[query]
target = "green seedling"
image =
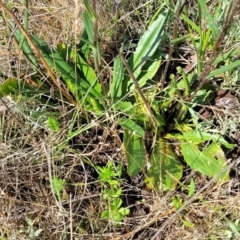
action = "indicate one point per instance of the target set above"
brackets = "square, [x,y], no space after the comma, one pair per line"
[32,233]
[58,185]
[109,176]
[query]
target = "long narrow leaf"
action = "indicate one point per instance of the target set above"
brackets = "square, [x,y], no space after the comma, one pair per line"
[86,71]
[117,80]
[210,20]
[25,47]
[224,69]
[68,73]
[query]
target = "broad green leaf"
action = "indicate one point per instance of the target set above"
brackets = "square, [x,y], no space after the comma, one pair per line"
[196,137]
[210,162]
[141,111]
[57,63]
[148,43]
[117,79]
[125,107]
[86,71]
[165,168]
[14,87]
[79,87]
[134,151]
[171,90]
[205,95]
[150,68]
[128,124]
[83,48]
[147,46]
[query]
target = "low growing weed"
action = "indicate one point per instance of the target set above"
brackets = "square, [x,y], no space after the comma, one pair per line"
[110,178]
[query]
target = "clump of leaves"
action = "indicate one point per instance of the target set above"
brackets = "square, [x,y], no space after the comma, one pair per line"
[166,110]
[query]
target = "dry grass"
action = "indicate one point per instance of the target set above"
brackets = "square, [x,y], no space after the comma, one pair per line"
[31,153]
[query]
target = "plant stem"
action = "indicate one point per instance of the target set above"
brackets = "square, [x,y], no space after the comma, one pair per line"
[139,91]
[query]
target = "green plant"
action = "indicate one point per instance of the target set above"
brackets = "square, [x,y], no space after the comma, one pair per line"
[235,229]
[32,233]
[163,109]
[109,177]
[58,185]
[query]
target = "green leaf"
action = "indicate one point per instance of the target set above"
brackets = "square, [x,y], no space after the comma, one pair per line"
[26,20]
[83,48]
[191,23]
[117,80]
[150,68]
[210,162]
[64,51]
[89,9]
[134,151]
[165,168]
[191,188]
[197,137]
[177,201]
[205,95]
[25,47]
[147,46]
[227,55]
[128,124]
[209,19]
[79,87]
[187,223]
[58,184]
[14,87]
[53,123]
[88,24]
[224,69]
[171,90]
[125,107]
[86,71]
